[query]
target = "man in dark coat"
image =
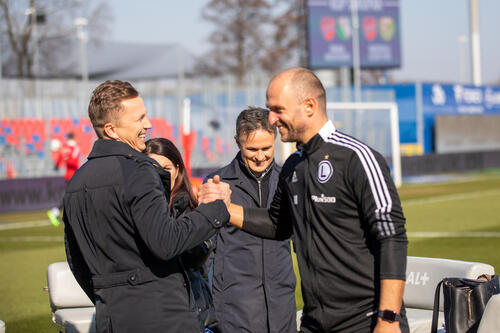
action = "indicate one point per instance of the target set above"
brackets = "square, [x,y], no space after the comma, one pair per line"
[253,278]
[122,243]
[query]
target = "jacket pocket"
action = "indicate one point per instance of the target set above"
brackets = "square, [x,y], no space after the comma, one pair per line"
[133,277]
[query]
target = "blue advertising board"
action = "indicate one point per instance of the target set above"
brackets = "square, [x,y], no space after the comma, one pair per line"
[455,99]
[330,33]
[459,99]
[422,102]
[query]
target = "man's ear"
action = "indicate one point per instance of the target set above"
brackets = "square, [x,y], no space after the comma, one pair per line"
[110,131]
[310,106]
[237,142]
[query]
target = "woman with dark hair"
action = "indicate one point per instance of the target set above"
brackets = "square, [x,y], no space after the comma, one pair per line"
[183,200]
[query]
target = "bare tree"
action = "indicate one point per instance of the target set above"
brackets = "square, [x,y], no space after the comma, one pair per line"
[283,44]
[252,35]
[43,28]
[238,40]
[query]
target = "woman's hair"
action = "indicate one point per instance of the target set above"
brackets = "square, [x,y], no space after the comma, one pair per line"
[165,147]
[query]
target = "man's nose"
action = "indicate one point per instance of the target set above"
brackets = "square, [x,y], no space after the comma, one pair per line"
[260,156]
[147,123]
[273,117]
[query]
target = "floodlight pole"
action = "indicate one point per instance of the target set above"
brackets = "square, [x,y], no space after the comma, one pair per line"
[31,13]
[355,51]
[462,48]
[80,23]
[1,40]
[475,44]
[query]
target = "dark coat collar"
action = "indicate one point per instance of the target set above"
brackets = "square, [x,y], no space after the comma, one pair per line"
[233,174]
[105,147]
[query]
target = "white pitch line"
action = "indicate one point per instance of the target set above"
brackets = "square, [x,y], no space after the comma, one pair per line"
[465,234]
[450,197]
[31,239]
[22,225]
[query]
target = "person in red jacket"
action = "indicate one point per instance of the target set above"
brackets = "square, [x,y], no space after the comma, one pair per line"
[69,157]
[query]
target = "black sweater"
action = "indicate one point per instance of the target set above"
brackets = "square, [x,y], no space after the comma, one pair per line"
[337,197]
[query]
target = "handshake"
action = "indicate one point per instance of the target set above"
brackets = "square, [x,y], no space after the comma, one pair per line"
[213,190]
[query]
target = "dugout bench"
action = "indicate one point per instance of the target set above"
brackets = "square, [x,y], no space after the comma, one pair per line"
[73,312]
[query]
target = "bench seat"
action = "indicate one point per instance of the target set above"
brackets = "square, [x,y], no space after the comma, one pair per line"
[76,320]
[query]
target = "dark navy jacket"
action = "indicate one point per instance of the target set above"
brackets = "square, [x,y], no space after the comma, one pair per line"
[253,278]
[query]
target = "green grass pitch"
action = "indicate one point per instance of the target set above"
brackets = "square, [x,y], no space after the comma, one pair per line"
[467,206]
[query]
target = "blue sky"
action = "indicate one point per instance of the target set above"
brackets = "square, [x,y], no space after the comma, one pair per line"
[429,33]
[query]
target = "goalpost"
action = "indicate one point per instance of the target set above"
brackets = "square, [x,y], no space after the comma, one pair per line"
[372,128]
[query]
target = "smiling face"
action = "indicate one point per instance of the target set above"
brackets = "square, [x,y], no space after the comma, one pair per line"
[131,124]
[167,165]
[257,149]
[285,111]
[296,100]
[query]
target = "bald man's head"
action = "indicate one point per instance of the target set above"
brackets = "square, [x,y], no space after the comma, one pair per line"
[297,104]
[303,84]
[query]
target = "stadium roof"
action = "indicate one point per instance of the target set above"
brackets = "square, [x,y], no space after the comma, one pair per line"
[121,60]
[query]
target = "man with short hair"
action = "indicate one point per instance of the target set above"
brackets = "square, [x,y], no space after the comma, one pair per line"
[337,197]
[122,243]
[253,278]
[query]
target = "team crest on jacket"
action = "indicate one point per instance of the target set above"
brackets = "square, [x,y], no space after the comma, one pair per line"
[325,171]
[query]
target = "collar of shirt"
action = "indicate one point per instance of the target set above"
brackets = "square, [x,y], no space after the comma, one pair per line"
[316,141]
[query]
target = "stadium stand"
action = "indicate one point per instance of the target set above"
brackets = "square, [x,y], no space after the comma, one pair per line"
[25,142]
[36,111]
[74,312]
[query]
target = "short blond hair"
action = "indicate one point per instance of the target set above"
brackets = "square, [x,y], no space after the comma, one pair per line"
[105,103]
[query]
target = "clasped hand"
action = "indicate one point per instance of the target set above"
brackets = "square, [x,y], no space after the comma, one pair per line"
[213,190]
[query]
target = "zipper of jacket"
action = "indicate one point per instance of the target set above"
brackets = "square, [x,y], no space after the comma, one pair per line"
[259,179]
[259,183]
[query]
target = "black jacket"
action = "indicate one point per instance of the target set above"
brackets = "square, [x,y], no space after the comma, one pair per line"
[123,245]
[337,196]
[253,278]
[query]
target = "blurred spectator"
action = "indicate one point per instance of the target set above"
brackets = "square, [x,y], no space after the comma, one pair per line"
[69,157]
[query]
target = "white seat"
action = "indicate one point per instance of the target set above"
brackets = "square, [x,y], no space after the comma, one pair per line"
[418,320]
[72,310]
[76,320]
[422,278]
[490,322]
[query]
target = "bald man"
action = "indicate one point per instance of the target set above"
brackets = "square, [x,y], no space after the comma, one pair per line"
[336,198]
